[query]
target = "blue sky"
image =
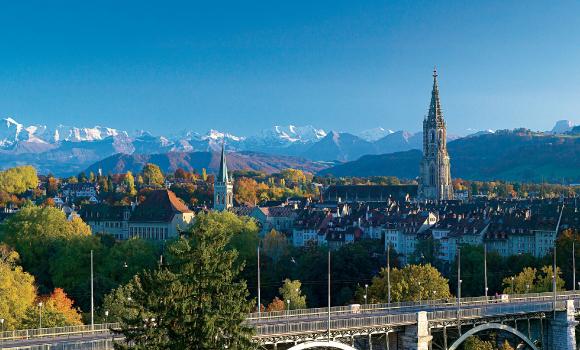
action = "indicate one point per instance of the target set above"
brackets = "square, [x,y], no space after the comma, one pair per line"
[241,66]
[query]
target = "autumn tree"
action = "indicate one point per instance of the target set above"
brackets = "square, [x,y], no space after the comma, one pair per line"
[57,311]
[180,173]
[19,179]
[294,176]
[276,305]
[17,290]
[129,182]
[245,190]
[152,175]
[474,343]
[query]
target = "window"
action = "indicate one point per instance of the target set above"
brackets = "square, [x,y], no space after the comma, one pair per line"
[432,176]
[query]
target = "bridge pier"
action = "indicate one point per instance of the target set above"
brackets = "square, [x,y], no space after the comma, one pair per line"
[417,336]
[562,329]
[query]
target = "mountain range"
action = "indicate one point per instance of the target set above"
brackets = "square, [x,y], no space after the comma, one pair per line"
[517,155]
[66,150]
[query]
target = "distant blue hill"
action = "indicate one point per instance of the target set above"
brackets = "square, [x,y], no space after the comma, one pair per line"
[518,155]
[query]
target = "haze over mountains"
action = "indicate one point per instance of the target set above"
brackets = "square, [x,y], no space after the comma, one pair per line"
[66,150]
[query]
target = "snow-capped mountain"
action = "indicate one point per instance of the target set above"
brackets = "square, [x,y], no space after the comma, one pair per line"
[288,135]
[75,134]
[69,149]
[374,134]
[562,126]
[12,132]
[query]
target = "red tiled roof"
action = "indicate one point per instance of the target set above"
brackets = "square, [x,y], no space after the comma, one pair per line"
[160,205]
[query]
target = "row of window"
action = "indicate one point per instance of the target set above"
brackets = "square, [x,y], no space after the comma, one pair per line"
[154,233]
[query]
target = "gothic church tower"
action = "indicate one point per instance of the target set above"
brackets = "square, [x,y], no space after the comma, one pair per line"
[435,174]
[223,188]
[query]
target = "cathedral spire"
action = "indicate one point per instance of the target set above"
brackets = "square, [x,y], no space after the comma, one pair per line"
[435,112]
[223,172]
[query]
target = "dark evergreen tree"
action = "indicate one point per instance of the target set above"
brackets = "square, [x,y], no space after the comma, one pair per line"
[195,301]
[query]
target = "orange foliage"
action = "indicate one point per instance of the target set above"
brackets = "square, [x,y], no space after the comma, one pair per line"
[61,303]
[276,305]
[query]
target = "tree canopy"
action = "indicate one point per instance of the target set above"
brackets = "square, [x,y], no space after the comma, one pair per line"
[152,175]
[411,283]
[19,179]
[195,300]
[17,290]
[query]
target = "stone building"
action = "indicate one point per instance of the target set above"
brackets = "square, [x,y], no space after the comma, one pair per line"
[435,174]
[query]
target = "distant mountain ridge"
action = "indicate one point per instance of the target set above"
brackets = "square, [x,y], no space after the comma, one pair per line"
[65,150]
[518,155]
[169,162]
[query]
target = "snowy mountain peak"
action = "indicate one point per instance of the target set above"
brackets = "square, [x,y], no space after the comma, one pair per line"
[216,135]
[293,133]
[374,134]
[562,126]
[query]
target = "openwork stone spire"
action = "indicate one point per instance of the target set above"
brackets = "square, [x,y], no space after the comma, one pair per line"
[435,111]
[435,174]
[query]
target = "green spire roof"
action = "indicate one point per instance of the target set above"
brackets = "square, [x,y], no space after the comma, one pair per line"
[223,172]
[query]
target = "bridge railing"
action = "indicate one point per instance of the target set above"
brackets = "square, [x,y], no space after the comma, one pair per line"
[337,324]
[422,304]
[495,310]
[56,331]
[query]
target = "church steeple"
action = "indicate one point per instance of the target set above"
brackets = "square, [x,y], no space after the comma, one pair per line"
[435,177]
[223,189]
[223,171]
[435,112]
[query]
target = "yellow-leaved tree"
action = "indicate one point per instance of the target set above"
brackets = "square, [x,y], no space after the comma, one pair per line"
[17,290]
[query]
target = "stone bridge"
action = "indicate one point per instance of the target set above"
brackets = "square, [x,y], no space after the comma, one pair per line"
[532,321]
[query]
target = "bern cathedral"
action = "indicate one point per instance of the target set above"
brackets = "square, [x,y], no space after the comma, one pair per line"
[435,174]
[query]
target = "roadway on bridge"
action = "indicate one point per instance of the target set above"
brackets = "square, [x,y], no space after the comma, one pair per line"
[306,317]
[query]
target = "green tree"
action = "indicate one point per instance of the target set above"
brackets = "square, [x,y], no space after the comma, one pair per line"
[566,240]
[474,343]
[117,304]
[275,245]
[17,290]
[82,177]
[152,175]
[538,281]
[195,300]
[545,279]
[427,251]
[290,291]
[411,283]
[521,283]
[35,233]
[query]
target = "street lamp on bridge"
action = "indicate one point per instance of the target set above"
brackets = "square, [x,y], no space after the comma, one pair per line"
[40,315]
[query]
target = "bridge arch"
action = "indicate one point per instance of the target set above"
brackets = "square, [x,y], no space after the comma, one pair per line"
[322,344]
[487,326]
